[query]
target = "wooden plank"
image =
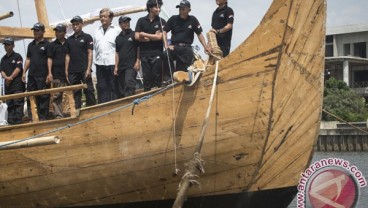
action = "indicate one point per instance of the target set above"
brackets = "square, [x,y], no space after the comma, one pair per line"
[23,32]
[42,92]
[34,110]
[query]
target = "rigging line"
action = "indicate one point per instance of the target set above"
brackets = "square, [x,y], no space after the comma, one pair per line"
[108,5]
[173,99]
[61,9]
[21,25]
[135,102]
[340,119]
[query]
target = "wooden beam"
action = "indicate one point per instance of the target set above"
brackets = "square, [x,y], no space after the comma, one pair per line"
[42,92]
[42,12]
[6,15]
[23,32]
[91,20]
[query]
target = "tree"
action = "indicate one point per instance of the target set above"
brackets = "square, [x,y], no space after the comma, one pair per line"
[343,102]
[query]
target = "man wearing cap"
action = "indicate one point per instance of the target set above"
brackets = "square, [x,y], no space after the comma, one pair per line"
[104,47]
[11,66]
[56,60]
[222,25]
[78,62]
[39,74]
[127,61]
[182,27]
[148,32]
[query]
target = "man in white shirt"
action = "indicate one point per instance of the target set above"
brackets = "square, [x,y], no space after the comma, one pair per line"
[104,47]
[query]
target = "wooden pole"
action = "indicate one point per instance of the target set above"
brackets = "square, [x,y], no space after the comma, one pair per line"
[29,143]
[6,15]
[91,20]
[42,12]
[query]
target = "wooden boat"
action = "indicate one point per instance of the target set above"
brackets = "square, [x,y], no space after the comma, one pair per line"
[259,139]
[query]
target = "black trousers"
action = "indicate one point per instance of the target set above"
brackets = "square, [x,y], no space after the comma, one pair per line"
[79,78]
[182,55]
[15,109]
[224,46]
[57,99]
[152,72]
[42,101]
[125,83]
[105,83]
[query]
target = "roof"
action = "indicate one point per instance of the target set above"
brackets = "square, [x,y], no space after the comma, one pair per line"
[347,29]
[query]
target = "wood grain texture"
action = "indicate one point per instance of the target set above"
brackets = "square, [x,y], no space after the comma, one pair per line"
[261,133]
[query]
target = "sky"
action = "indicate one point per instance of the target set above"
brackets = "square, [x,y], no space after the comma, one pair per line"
[248,14]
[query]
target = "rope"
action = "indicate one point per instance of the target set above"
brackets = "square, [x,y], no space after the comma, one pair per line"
[216,50]
[21,25]
[61,9]
[135,102]
[340,119]
[196,162]
[173,100]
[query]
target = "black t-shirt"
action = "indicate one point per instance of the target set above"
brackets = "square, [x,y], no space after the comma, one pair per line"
[57,52]
[77,47]
[220,18]
[8,65]
[151,48]
[37,53]
[126,47]
[182,30]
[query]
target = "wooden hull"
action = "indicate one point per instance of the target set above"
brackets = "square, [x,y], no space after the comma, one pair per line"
[263,126]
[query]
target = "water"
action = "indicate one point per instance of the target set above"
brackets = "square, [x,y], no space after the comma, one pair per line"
[359,159]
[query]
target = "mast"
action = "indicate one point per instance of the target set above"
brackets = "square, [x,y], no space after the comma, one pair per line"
[42,12]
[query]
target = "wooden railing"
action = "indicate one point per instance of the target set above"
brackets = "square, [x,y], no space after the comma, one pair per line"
[68,90]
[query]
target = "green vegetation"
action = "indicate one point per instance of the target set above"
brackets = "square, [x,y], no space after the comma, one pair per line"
[343,102]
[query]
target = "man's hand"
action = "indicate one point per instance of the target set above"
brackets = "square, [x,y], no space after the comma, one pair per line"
[24,77]
[88,73]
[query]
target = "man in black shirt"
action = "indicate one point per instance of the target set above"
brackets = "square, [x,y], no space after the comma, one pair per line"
[148,32]
[127,61]
[39,74]
[11,67]
[56,60]
[78,62]
[222,25]
[182,27]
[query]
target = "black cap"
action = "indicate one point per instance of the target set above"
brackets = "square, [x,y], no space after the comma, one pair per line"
[60,27]
[38,26]
[76,19]
[183,3]
[8,41]
[124,18]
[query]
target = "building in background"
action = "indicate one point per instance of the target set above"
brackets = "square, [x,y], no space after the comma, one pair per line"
[346,56]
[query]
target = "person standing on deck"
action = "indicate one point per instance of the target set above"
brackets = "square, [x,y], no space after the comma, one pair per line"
[222,26]
[104,46]
[127,61]
[78,62]
[182,27]
[39,74]
[11,67]
[148,32]
[56,60]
